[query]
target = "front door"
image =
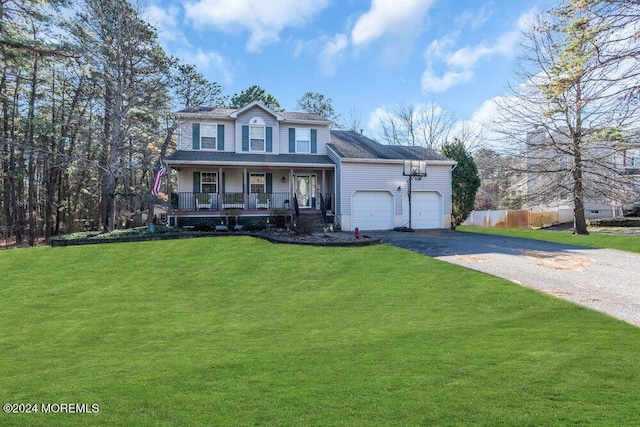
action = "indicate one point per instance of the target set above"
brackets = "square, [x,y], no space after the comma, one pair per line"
[305,190]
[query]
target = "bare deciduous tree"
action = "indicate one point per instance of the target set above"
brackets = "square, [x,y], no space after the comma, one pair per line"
[426,125]
[568,116]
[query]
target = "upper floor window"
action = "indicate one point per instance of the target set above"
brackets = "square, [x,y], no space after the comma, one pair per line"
[303,141]
[208,137]
[257,134]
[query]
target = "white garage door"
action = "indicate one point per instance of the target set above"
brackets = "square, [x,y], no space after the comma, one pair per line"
[372,210]
[426,210]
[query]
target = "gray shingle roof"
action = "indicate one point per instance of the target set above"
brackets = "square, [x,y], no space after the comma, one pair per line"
[226,112]
[228,157]
[214,111]
[292,115]
[352,145]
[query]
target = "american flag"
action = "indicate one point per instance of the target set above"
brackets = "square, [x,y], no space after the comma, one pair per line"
[157,179]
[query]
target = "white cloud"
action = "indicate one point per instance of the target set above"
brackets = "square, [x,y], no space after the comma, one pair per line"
[331,53]
[378,115]
[210,63]
[461,62]
[433,83]
[474,19]
[165,21]
[389,16]
[263,19]
[439,48]
[467,57]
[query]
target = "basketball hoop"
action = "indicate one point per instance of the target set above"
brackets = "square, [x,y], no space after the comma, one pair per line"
[416,168]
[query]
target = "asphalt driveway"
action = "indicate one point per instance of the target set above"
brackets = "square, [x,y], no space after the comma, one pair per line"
[606,280]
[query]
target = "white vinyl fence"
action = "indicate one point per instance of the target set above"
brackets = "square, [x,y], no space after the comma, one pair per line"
[519,219]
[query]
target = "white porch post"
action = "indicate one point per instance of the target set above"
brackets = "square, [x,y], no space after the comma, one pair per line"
[245,189]
[323,189]
[219,193]
[291,189]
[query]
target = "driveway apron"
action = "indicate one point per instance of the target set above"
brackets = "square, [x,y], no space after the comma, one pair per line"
[605,280]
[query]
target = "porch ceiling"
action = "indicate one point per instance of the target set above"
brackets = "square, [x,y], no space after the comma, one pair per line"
[244,159]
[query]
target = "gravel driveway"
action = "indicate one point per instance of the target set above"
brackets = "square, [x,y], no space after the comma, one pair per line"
[606,280]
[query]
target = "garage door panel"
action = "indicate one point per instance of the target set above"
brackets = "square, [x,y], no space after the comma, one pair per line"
[426,210]
[372,210]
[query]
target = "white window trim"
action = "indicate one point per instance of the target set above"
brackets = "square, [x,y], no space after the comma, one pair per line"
[202,181]
[264,138]
[215,136]
[307,131]
[264,178]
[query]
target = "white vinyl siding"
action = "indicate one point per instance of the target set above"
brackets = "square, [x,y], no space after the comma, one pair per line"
[358,176]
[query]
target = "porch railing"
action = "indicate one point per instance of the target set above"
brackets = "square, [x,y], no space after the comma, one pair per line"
[194,201]
[184,201]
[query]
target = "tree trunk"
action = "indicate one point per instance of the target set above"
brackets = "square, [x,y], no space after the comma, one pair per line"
[579,220]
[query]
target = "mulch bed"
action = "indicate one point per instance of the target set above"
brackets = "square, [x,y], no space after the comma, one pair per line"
[276,236]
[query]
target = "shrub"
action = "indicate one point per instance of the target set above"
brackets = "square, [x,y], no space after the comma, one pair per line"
[203,225]
[278,217]
[254,224]
[303,225]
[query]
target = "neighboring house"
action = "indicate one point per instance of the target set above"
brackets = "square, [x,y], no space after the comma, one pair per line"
[611,175]
[254,159]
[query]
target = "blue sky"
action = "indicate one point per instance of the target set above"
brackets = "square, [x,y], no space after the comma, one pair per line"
[365,55]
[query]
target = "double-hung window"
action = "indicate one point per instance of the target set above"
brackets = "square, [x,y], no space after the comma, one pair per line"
[257,182]
[209,182]
[257,137]
[303,140]
[208,137]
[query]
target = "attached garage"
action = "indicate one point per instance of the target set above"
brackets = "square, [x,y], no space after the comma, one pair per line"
[426,209]
[372,210]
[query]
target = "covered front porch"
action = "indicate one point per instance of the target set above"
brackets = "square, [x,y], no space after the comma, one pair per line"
[205,190]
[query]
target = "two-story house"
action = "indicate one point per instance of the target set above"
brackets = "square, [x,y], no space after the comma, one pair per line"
[610,173]
[255,160]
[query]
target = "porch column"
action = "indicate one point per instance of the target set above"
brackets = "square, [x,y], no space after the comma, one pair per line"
[169,183]
[219,193]
[291,189]
[245,189]
[323,189]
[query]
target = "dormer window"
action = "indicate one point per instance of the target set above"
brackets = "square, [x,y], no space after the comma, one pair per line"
[256,134]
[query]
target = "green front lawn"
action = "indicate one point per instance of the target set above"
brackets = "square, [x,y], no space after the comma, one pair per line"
[594,240]
[239,331]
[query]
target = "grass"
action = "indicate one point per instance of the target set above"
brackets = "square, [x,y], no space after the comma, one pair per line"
[239,331]
[620,242]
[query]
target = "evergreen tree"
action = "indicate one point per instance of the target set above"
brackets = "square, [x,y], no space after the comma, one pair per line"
[254,93]
[317,103]
[465,180]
